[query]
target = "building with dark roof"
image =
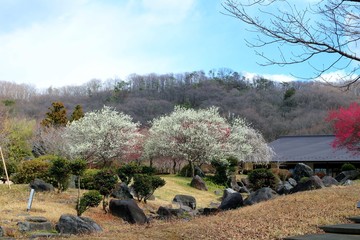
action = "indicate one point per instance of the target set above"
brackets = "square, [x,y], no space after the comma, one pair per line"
[313,150]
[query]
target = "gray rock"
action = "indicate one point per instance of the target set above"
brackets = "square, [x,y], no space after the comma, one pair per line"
[2,231]
[302,170]
[198,183]
[244,190]
[128,210]
[185,200]
[199,172]
[41,186]
[347,175]
[231,201]
[348,183]
[284,188]
[35,223]
[166,213]
[313,182]
[71,224]
[329,181]
[292,182]
[121,191]
[208,211]
[263,194]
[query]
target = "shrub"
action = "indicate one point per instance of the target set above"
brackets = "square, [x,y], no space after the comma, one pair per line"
[127,172]
[11,167]
[104,182]
[87,179]
[283,174]
[60,171]
[260,178]
[89,199]
[224,169]
[347,167]
[29,170]
[304,179]
[145,185]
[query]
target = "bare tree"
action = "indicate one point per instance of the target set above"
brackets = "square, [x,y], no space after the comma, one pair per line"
[329,27]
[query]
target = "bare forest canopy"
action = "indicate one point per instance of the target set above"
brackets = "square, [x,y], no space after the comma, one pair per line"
[273,108]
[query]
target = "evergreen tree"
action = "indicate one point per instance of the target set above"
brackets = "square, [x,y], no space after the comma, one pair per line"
[77,114]
[56,116]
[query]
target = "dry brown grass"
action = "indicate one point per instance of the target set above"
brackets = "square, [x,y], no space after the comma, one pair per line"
[295,214]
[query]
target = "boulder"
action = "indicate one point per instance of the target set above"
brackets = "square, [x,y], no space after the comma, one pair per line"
[263,194]
[208,211]
[347,175]
[198,183]
[199,172]
[40,186]
[32,224]
[71,224]
[227,192]
[231,201]
[302,170]
[329,181]
[128,210]
[292,181]
[185,200]
[2,231]
[166,213]
[121,191]
[313,182]
[284,187]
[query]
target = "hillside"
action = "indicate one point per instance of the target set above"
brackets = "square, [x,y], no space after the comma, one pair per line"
[295,214]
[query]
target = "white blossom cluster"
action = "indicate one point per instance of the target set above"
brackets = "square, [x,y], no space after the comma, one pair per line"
[101,136]
[199,136]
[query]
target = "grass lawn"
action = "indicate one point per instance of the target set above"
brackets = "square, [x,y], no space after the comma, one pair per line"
[295,214]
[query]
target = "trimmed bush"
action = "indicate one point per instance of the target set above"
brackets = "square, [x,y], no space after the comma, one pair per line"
[87,179]
[60,171]
[145,185]
[128,171]
[89,199]
[262,177]
[104,182]
[347,167]
[29,170]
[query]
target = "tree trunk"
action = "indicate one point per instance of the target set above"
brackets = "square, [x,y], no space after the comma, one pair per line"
[192,168]
[174,166]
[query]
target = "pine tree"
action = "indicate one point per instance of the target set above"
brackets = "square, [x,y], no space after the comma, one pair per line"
[77,114]
[56,117]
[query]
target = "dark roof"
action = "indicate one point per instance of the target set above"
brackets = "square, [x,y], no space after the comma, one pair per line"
[310,148]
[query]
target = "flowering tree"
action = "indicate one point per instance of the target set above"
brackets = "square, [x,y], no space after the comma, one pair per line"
[199,136]
[102,136]
[346,125]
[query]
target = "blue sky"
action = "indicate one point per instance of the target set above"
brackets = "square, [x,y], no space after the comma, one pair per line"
[68,42]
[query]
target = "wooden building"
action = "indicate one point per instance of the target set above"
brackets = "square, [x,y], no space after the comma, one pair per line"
[314,150]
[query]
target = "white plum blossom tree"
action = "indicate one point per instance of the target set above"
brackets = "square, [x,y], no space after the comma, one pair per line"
[198,136]
[102,136]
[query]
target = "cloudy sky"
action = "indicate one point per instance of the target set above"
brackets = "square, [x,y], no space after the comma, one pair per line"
[68,42]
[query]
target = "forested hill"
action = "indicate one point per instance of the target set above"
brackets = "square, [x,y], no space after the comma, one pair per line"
[273,108]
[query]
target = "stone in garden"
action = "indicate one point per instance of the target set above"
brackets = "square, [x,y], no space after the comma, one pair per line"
[121,191]
[209,211]
[329,181]
[71,224]
[227,192]
[198,183]
[313,182]
[348,183]
[231,201]
[128,210]
[2,231]
[166,213]
[185,200]
[302,170]
[41,186]
[199,172]
[244,190]
[292,181]
[347,175]
[263,194]
[32,224]
[284,188]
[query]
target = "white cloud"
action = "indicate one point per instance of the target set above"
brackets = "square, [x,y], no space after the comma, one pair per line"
[272,77]
[92,40]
